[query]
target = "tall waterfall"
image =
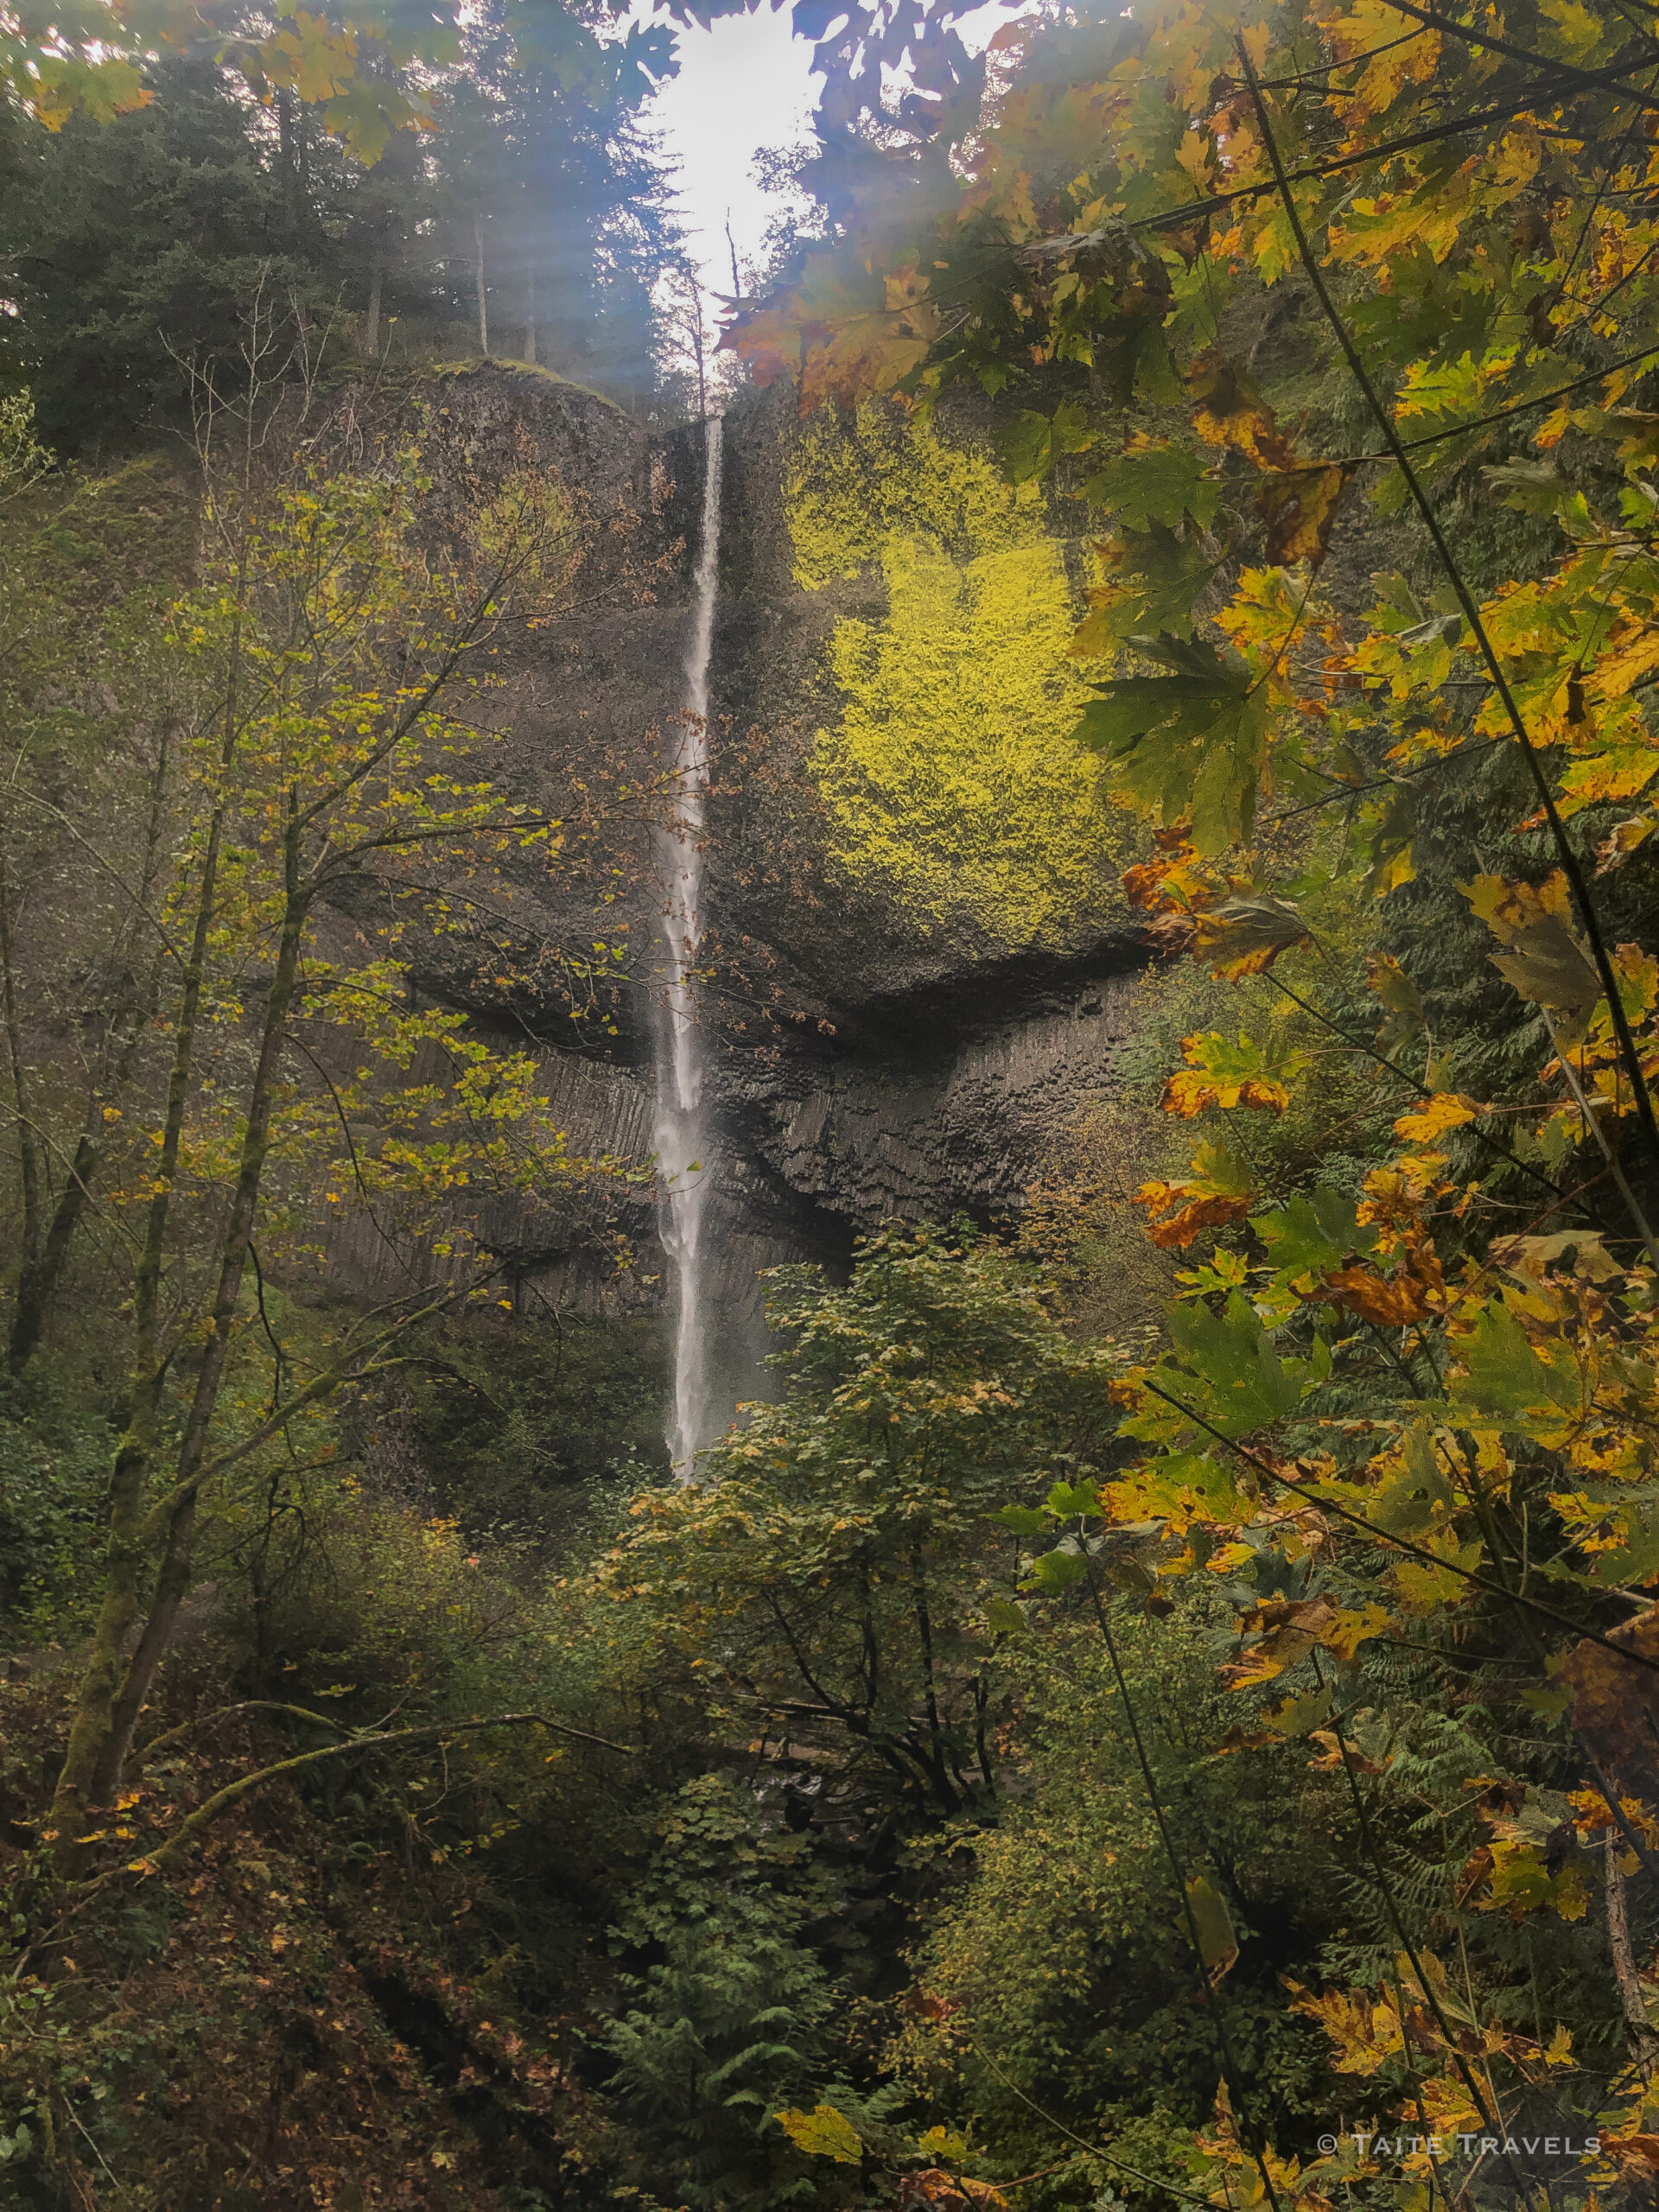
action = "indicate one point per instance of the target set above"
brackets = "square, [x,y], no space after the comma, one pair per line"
[680,1136]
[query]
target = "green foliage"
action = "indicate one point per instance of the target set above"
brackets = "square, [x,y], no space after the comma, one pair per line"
[520,1419]
[54,1466]
[138,244]
[1131,1755]
[134,244]
[1400,1397]
[1188,745]
[1148,483]
[947,788]
[364,1969]
[729,2017]
[829,1574]
[1059,1974]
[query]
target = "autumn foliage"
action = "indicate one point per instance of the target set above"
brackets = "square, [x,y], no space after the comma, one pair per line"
[1425,1384]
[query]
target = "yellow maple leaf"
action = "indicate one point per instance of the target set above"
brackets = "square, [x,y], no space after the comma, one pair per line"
[1445,1111]
[823,2132]
[1398,57]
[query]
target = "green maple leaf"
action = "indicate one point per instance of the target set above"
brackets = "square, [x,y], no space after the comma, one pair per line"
[1214,1924]
[1233,1373]
[1315,1231]
[1189,745]
[1148,484]
[1034,442]
[1160,577]
[1507,1376]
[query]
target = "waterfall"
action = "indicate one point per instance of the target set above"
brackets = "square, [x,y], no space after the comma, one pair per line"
[681,1138]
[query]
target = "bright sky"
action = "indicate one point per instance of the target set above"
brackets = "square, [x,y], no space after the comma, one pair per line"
[744,83]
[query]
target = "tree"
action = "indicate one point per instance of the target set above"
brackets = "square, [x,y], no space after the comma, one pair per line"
[728,2011]
[557,215]
[134,246]
[90,60]
[829,1570]
[1039,1996]
[90,697]
[331,670]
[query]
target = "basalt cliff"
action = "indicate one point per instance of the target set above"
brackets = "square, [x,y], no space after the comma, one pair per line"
[919,963]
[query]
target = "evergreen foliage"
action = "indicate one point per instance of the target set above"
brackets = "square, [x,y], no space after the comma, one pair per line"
[534,226]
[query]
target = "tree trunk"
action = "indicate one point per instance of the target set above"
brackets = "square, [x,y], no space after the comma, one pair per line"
[1645,2044]
[478,280]
[173,1577]
[288,162]
[28,1145]
[303,141]
[37,1283]
[172,1581]
[37,1279]
[136,1002]
[127,1552]
[372,327]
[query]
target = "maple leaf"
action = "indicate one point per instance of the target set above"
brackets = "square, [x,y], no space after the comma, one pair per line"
[1532,487]
[1160,576]
[1390,828]
[1525,1257]
[1637,2155]
[1399,995]
[1616,1702]
[823,2132]
[1396,53]
[1170,880]
[1031,446]
[1506,1375]
[1228,411]
[1293,1627]
[1218,1073]
[313,57]
[1389,1302]
[1147,483]
[1245,934]
[1546,961]
[948,2192]
[1299,508]
[1217,1191]
[1316,1231]
[1615,772]
[1445,1111]
[1367,2036]
[841,330]
[1217,1943]
[1621,842]
[1188,745]
[1374,229]
[59,84]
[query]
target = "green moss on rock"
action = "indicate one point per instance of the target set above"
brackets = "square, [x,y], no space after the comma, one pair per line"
[952,785]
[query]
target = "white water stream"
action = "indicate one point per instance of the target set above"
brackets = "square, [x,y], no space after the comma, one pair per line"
[679,1134]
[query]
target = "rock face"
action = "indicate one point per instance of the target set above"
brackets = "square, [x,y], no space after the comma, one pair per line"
[921,962]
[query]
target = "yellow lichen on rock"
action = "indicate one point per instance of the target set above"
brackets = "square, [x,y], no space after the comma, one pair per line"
[951,783]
